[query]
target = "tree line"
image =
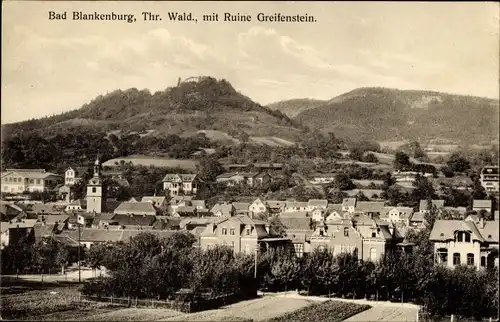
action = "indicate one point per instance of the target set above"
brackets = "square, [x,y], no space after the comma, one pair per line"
[148,267]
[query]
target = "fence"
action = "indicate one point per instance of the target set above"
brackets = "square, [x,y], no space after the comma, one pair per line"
[185,307]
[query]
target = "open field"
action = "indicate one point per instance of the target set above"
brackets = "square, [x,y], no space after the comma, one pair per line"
[153,161]
[132,314]
[28,300]
[270,140]
[260,309]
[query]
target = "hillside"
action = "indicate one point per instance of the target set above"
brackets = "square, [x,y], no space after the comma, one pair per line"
[196,104]
[293,107]
[390,114]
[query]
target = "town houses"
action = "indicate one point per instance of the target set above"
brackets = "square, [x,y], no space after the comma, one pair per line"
[367,228]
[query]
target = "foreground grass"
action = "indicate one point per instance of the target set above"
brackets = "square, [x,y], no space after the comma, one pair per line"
[132,314]
[329,311]
[25,300]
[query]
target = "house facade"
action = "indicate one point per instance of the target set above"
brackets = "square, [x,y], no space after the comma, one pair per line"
[461,242]
[257,207]
[241,233]
[179,184]
[17,181]
[490,179]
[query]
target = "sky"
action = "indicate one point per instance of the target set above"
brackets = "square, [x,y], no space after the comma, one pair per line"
[50,66]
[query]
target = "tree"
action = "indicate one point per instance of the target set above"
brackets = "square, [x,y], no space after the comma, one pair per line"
[343,182]
[370,157]
[458,163]
[402,161]
[360,196]
[210,168]
[423,189]
[478,193]
[181,240]
[277,226]
[284,272]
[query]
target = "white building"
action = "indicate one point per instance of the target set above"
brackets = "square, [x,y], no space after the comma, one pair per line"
[489,179]
[17,181]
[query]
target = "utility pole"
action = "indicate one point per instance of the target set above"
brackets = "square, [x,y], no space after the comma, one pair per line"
[79,245]
[255,262]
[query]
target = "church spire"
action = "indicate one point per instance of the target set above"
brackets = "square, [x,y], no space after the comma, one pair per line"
[97,167]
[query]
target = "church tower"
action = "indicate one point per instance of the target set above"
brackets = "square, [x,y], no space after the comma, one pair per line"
[94,190]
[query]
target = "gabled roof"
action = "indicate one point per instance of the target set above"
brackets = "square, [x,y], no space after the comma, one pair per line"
[224,208]
[156,200]
[178,199]
[405,212]
[275,204]
[296,223]
[40,208]
[370,206]
[349,202]
[481,204]
[241,206]
[134,220]
[317,203]
[296,204]
[417,217]
[24,223]
[294,214]
[135,207]
[53,218]
[198,203]
[30,173]
[489,231]
[243,219]
[179,177]
[186,210]
[197,221]
[437,203]
[364,220]
[444,230]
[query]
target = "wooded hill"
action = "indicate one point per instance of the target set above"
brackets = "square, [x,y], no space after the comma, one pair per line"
[391,114]
[201,104]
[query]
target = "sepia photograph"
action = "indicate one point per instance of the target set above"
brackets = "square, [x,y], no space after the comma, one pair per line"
[250,161]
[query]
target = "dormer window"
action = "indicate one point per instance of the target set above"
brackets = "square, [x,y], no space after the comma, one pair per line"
[463,236]
[346,231]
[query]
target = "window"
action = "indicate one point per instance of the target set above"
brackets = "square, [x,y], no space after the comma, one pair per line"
[346,231]
[442,256]
[247,231]
[483,261]
[37,181]
[470,259]
[456,258]
[32,181]
[467,238]
[231,231]
[374,234]
[460,236]
[94,189]
[224,231]
[299,249]
[373,254]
